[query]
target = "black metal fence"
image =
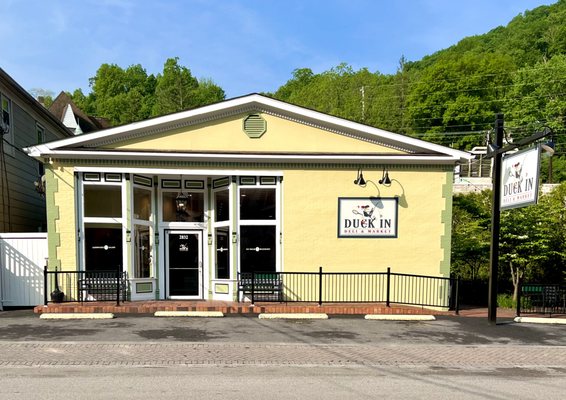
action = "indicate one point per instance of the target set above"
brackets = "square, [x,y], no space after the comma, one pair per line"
[350,287]
[85,286]
[541,299]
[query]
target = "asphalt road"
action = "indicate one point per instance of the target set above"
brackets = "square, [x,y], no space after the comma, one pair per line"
[245,357]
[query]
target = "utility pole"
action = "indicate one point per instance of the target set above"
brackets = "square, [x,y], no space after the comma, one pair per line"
[363,91]
[495,222]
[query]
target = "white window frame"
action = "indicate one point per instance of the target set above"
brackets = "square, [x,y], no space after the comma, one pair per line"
[103,220]
[142,222]
[222,224]
[262,222]
[9,136]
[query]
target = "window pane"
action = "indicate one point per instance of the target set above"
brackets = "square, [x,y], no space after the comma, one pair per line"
[142,252]
[257,248]
[142,204]
[222,254]
[222,205]
[257,204]
[103,247]
[193,210]
[102,201]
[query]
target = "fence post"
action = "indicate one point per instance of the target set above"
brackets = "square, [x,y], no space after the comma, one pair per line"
[320,286]
[519,289]
[118,285]
[388,286]
[457,305]
[45,289]
[253,287]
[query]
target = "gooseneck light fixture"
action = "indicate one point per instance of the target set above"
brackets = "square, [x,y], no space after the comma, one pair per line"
[385,181]
[360,181]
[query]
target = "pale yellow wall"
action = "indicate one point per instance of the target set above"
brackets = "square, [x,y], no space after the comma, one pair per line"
[311,218]
[227,135]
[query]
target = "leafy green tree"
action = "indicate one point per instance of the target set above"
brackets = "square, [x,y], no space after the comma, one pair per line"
[471,235]
[176,90]
[455,99]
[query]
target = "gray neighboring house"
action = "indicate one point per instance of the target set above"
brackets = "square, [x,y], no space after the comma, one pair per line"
[25,122]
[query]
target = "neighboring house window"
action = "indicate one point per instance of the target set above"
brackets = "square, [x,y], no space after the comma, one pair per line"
[40,139]
[6,123]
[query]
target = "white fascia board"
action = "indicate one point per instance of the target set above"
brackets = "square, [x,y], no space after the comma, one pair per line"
[277,106]
[220,157]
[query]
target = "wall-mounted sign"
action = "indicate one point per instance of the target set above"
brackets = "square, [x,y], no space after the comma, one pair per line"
[519,180]
[367,217]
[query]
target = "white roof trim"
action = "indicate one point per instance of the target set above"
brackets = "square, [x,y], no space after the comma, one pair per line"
[363,131]
[239,157]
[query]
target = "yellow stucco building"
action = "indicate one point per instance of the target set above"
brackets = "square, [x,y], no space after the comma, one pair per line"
[186,202]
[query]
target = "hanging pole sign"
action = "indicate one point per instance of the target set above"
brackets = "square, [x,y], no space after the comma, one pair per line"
[520,179]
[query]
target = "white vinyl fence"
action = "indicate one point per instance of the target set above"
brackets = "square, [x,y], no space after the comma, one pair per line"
[23,257]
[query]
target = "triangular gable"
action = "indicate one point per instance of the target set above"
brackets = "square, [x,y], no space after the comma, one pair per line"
[333,135]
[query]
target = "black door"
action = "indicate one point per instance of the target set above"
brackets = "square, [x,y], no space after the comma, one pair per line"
[184,260]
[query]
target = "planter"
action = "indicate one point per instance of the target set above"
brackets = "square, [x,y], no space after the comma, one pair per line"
[57,296]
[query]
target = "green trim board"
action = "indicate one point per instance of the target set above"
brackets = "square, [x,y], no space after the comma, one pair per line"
[446,219]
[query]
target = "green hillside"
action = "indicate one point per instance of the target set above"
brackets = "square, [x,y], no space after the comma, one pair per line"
[451,97]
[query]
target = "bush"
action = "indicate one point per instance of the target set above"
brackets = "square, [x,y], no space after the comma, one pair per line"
[506,301]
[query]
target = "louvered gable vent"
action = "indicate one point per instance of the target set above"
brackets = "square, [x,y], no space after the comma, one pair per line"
[254,126]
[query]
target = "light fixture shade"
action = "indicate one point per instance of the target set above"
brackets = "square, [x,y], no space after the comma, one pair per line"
[360,181]
[492,148]
[385,178]
[548,148]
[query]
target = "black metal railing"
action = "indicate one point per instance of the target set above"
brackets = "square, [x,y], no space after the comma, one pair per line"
[85,286]
[541,299]
[350,287]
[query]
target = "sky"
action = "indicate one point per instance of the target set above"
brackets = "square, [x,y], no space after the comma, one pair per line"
[244,46]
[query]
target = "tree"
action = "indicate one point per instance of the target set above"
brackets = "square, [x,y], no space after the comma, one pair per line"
[532,240]
[175,88]
[471,235]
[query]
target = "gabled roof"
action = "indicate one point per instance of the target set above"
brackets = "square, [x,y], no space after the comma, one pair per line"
[87,123]
[88,145]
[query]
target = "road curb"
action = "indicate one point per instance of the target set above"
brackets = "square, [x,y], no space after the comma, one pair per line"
[76,316]
[293,316]
[535,320]
[399,317]
[193,314]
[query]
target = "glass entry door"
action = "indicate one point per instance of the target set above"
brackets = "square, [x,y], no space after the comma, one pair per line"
[184,263]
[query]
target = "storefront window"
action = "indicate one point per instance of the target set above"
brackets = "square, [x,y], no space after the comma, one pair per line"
[142,251]
[193,212]
[257,204]
[257,248]
[222,205]
[222,253]
[142,204]
[102,201]
[103,247]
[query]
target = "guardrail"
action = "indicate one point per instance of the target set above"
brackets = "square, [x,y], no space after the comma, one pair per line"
[85,286]
[350,287]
